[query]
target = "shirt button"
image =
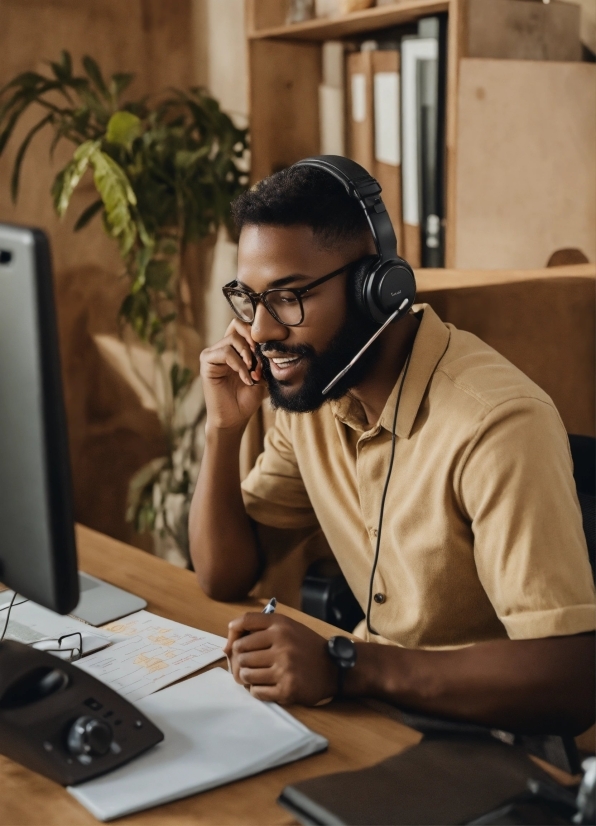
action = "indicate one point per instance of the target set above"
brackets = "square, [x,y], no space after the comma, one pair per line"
[379,598]
[373,531]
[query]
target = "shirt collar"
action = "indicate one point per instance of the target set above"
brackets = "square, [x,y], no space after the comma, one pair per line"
[432,339]
[430,344]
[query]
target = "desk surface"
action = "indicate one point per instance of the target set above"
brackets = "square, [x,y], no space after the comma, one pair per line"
[358,736]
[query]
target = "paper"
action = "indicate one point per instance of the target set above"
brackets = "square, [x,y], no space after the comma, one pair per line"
[154,653]
[30,623]
[386,108]
[215,732]
[358,98]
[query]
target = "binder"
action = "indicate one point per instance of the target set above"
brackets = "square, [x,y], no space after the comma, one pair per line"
[331,100]
[360,109]
[413,50]
[387,138]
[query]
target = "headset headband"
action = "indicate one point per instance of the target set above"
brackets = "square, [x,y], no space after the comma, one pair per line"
[362,186]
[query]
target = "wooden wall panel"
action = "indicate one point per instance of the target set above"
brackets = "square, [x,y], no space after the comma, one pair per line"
[110,434]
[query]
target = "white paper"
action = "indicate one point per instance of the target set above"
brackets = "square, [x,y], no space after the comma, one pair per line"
[29,623]
[358,97]
[215,732]
[412,50]
[154,653]
[331,118]
[386,106]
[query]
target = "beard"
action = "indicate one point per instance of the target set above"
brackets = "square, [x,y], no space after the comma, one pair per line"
[321,368]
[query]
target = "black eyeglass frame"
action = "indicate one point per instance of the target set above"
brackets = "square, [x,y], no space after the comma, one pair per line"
[298,292]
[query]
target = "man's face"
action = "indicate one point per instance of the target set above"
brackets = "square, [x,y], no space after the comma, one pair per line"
[298,362]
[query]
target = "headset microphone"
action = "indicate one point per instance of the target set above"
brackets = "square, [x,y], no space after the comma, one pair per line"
[384,284]
[392,317]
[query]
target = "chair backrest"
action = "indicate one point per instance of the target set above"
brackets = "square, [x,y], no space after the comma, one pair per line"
[583,452]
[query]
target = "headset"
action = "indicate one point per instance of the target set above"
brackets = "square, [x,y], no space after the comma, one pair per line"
[385,289]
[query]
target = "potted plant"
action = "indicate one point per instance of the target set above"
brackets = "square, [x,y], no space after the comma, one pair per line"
[165,170]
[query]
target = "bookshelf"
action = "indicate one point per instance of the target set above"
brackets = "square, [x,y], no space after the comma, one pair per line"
[285,73]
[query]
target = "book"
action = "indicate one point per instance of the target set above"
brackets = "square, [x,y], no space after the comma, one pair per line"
[215,733]
[387,134]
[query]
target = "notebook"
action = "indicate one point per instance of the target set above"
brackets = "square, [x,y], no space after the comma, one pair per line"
[445,780]
[215,732]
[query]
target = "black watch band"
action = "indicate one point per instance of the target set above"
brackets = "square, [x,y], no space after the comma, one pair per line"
[342,652]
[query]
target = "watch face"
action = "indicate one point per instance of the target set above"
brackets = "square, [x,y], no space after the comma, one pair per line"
[343,651]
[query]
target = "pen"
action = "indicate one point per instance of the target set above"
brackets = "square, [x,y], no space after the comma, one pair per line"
[270,607]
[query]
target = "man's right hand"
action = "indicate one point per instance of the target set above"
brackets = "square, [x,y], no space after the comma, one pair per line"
[233,391]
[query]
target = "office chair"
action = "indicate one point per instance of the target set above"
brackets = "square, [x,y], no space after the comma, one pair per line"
[583,452]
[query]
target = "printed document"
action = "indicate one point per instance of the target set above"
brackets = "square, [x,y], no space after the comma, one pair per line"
[215,733]
[150,652]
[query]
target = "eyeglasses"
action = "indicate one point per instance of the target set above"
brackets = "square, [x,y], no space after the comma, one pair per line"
[285,305]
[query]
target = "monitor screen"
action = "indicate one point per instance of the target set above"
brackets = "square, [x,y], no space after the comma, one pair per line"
[37,543]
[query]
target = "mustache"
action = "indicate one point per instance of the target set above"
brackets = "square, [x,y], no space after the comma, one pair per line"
[280,347]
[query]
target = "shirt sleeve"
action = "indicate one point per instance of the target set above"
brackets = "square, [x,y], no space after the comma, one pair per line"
[518,490]
[274,493]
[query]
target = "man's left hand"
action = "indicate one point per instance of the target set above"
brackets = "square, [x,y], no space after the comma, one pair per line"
[280,659]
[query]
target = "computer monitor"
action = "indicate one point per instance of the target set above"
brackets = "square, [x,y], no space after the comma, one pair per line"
[37,543]
[50,718]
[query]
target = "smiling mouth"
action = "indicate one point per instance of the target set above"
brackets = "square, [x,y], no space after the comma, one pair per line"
[285,360]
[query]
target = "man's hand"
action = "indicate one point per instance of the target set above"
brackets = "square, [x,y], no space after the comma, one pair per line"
[280,659]
[233,391]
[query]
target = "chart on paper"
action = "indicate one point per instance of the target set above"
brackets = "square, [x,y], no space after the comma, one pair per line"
[150,652]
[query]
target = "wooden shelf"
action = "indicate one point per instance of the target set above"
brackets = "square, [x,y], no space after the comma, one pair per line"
[378,17]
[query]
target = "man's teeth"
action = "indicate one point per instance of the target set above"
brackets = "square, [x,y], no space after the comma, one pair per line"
[288,360]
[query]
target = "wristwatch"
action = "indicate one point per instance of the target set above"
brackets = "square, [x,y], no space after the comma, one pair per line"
[343,653]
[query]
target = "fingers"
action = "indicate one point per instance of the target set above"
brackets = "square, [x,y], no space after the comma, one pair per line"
[252,621]
[217,361]
[269,694]
[257,676]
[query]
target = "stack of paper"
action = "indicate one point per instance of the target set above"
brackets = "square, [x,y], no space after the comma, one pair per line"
[150,652]
[215,732]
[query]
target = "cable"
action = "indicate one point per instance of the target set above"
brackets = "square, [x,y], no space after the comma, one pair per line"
[386,487]
[14,596]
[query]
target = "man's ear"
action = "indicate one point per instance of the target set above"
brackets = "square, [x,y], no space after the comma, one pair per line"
[356,281]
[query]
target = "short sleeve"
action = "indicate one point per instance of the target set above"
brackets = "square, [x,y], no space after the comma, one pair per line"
[518,490]
[274,493]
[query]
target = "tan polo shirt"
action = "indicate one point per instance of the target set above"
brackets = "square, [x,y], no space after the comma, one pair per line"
[482,534]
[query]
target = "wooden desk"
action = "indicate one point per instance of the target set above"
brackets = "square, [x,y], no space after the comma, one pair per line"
[358,737]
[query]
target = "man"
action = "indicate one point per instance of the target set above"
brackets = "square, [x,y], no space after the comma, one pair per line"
[482,581]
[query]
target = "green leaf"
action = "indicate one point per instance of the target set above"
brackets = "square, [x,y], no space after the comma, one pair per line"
[117,196]
[88,214]
[119,83]
[16,171]
[67,181]
[158,274]
[123,128]
[94,72]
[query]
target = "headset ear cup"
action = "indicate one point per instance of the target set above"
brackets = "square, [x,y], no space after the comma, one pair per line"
[358,280]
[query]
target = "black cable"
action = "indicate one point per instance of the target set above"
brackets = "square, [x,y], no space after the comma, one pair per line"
[386,487]
[14,596]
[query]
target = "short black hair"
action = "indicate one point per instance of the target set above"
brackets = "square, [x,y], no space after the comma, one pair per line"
[302,195]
